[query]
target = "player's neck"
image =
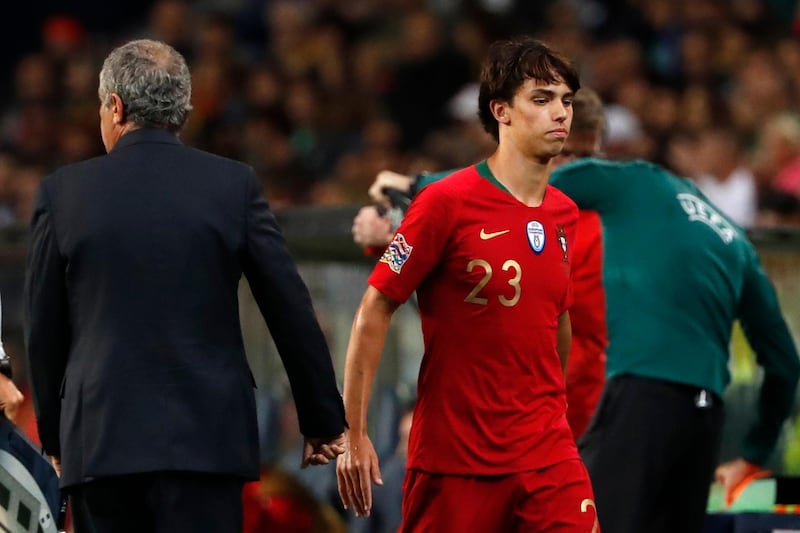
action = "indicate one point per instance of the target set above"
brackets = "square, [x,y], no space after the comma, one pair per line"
[525,179]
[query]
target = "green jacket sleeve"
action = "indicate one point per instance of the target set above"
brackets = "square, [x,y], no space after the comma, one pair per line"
[426,178]
[766,330]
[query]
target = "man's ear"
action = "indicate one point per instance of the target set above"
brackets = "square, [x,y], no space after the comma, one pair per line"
[118,109]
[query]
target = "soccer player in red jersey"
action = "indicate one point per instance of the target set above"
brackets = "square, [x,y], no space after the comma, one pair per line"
[585,372]
[488,251]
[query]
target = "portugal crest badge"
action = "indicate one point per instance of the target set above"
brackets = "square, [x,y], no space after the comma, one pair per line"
[562,240]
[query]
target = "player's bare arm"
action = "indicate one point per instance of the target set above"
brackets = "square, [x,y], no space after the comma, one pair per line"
[357,468]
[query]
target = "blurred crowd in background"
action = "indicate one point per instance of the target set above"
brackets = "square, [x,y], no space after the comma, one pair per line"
[319,95]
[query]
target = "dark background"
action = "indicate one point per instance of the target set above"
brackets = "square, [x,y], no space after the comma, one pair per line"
[20,25]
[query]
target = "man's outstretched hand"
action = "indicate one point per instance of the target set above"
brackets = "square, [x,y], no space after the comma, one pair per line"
[321,451]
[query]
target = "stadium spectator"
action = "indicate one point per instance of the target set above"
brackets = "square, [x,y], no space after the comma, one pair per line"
[779,154]
[419,108]
[724,176]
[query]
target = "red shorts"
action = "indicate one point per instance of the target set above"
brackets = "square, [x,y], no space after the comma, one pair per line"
[555,499]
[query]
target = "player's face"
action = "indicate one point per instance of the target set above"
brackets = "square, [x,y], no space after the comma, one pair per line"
[540,116]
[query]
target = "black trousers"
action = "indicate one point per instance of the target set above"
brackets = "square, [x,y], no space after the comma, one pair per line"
[158,502]
[651,450]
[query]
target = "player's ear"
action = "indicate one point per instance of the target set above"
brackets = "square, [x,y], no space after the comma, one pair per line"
[499,109]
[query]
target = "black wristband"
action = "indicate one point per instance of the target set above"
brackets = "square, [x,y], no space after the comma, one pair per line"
[413,187]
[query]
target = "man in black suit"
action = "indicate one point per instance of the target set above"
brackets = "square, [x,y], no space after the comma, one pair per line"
[141,386]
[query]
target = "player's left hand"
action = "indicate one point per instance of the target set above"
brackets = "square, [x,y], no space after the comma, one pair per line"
[735,475]
[356,469]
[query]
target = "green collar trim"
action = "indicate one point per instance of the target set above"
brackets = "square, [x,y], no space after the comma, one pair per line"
[485,172]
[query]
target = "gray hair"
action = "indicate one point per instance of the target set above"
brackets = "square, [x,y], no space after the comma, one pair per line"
[153,81]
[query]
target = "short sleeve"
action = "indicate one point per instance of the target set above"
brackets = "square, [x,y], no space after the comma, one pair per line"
[417,246]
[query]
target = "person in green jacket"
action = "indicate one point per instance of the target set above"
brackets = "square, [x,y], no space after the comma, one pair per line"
[678,274]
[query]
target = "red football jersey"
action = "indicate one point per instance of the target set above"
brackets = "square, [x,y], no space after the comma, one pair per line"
[492,277]
[586,366]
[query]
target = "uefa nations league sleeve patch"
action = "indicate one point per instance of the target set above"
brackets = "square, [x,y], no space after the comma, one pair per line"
[397,253]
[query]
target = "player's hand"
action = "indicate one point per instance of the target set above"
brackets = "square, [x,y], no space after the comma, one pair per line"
[371,229]
[321,451]
[735,475]
[356,469]
[390,180]
[10,398]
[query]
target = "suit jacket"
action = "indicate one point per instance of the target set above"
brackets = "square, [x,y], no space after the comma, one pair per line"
[135,352]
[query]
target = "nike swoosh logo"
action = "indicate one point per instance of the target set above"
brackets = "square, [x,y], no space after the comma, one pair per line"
[486,236]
